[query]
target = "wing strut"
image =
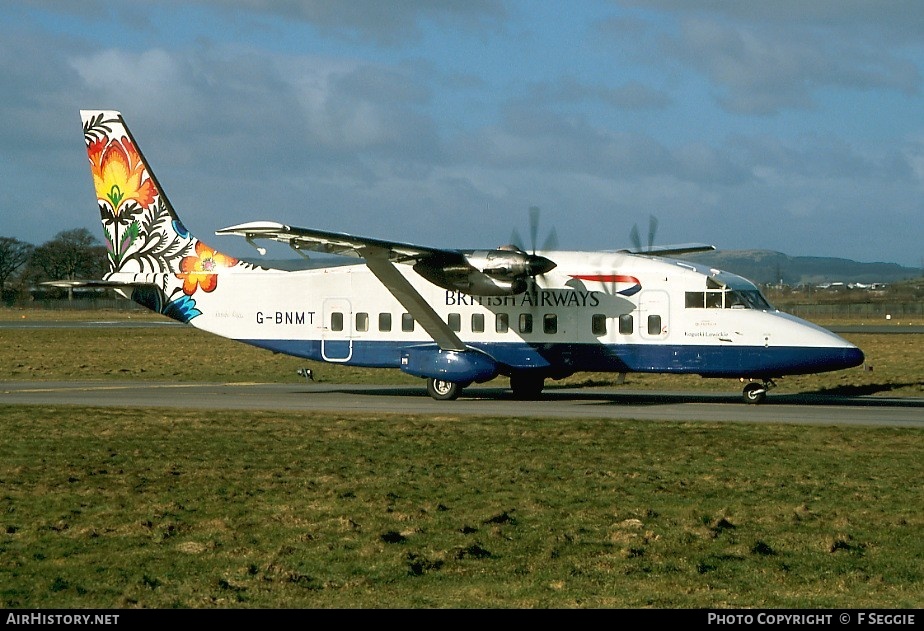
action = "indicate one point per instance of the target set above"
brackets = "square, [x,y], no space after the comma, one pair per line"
[380,258]
[410,299]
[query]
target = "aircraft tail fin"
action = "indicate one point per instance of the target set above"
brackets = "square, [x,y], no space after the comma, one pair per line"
[149,248]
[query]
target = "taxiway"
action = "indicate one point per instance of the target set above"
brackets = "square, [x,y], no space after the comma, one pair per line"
[477,401]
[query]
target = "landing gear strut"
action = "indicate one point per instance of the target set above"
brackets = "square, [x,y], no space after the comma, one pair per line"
[756,392]
[443,390]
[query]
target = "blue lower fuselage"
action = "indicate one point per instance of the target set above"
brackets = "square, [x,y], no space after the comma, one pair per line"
[559,359]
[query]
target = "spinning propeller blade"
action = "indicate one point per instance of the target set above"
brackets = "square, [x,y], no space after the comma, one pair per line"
[538,265]
[652,230]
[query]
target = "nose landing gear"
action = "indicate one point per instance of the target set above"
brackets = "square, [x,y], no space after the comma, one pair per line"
[755,392]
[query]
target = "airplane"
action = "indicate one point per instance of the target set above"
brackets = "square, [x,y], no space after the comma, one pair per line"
[451,317]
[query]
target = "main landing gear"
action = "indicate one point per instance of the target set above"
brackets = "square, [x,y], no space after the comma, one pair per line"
[525,387]
[755,392]
[443,390]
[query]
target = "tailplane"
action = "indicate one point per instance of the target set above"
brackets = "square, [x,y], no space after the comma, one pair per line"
[150,251]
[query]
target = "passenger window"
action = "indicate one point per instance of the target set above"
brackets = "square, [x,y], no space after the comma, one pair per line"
[550,323]
[362,322]
[336,321]
[598,324]
[626,324]
[654,325]
[502,323]
[385,322]
[526,323]
[455,322]
[407,322]
[477,323]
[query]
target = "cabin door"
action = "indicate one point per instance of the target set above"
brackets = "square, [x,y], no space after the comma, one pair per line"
[337,333]
[653,308]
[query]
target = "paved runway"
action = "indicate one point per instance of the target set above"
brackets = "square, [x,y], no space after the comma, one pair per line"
[480,401]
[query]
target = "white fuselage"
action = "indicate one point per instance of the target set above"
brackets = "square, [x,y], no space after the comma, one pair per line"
[594,312]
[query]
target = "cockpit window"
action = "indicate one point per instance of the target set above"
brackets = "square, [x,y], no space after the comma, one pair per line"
[728,299]
[746,299]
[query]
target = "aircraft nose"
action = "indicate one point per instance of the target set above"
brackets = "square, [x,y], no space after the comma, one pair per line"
[853,356]
[835,358]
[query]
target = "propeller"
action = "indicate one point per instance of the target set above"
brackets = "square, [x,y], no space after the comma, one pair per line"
[538,265]
[503,271]
[652,230]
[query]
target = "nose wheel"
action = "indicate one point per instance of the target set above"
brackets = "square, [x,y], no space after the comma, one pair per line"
[755,392]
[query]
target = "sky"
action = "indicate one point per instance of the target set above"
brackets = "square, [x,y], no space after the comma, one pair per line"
[779,125]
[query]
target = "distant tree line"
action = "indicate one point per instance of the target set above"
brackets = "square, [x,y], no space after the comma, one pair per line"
[70,255]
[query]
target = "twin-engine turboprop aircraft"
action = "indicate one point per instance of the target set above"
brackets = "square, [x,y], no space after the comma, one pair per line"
[452,317]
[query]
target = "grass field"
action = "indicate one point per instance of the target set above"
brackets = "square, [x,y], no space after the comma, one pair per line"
[153,508]
[114,508]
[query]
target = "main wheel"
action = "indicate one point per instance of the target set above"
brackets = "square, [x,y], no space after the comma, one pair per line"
[526,387]
[754,392]
[443,390]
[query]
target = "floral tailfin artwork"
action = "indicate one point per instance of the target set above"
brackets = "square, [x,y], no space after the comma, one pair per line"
[142,232]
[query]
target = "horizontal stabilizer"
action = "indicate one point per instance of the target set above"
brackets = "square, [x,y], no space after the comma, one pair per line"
[98,284]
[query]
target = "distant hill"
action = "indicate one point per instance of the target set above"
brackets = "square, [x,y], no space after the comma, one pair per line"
[760,266]
[766,266]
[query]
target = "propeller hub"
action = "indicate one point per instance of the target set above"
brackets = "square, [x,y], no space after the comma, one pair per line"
[539,265]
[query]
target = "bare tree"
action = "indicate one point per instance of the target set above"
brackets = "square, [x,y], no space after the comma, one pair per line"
[70,255]
[13,255]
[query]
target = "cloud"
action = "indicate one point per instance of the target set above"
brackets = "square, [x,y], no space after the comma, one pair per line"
[763,71]
[223,95]
[631,95]
[896,21]
[389,24]
[737,122]
[764,58]
[561,144]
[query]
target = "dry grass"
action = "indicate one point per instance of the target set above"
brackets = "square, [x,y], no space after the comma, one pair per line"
[108,508]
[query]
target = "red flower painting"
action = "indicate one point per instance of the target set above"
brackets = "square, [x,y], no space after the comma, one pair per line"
[199,271]
[119,174]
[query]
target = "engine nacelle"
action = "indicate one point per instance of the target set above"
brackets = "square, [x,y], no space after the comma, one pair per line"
[470,281]
[500,263]
[456,366]
[484,272]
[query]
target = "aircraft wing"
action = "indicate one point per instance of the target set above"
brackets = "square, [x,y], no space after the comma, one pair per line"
[339,243]
[671,250]
[380,258]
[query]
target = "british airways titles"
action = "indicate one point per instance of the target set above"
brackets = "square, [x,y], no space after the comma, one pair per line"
[536,298]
